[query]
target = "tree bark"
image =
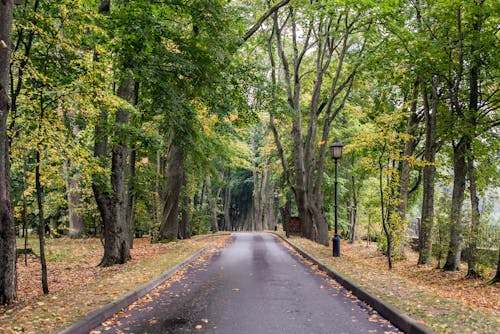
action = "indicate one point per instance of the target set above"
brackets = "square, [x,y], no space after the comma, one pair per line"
[456,233]
[212,205]
[227,207]
[258,184]
[459,163]
[184,226]
[131,191]
[8,279]
[41,224]
[76,223]
[130,214]
[74,193]
[111,199]
[385,212]
[113,205]
[409,148]
[472,271]
[169,228]
[353,216]
[267,201]
[429,172]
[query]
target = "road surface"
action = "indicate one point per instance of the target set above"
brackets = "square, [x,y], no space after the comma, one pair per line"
[254,285]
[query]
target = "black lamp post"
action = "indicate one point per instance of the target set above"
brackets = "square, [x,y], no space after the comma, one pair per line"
[336,150]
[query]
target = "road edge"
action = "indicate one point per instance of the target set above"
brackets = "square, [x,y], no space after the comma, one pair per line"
[397,317]
[95,318]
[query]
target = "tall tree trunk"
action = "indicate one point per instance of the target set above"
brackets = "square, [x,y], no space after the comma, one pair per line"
[73,187]
[99,184]
[131,191]
[41,224]
[212,205]
[459,156]
[74,194]
[131,194]
[285,215]
[169,228]
[405,168]
[429,171]
[8,283]
[184,227]
[385,213]
[113,206]
[227,207]
[353,211]
[112,203]
[267,201]
[24,216]
[457,199]
[158,190]
[257,223]
[472,271]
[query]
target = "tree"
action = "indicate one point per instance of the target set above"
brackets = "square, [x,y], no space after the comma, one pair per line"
[73,184]
[429,172]
[473,111]
[8,284]
[174,176]
[113,200]
[322,64]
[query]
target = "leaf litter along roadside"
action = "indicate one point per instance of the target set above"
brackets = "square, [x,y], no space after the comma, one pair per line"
[79,287]
[142,304]
[374,316]
[445,302]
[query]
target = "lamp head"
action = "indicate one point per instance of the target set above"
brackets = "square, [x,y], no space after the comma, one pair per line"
[336,149]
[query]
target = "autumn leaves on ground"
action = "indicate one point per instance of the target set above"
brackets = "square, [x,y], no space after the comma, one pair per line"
[78,286]
[444,301]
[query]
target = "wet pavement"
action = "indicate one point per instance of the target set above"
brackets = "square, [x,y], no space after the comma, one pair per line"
[254,285]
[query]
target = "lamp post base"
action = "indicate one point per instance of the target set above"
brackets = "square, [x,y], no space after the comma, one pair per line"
[336,246]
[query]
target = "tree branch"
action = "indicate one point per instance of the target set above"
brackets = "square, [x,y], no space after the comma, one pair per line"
[264,17]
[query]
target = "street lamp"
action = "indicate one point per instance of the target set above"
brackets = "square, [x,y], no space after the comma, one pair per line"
[336,151]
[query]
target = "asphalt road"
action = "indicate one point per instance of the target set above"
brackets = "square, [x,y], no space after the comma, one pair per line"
[254,285]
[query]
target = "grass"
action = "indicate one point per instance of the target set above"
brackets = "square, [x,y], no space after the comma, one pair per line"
[78,286]
[444,301]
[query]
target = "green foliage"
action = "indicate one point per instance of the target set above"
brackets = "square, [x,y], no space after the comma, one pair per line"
[197,80]
[200,221]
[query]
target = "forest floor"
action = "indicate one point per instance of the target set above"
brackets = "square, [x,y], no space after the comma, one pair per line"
[446,302]
[78,287]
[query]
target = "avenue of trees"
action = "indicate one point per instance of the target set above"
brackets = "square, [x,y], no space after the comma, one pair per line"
[120,118]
